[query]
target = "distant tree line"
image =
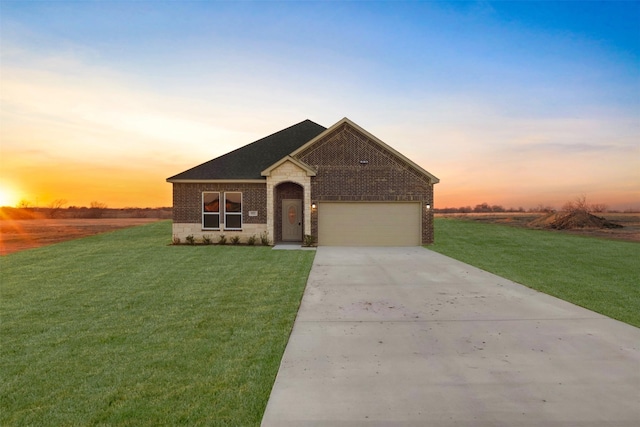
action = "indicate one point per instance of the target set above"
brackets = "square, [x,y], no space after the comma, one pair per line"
[56,209]
[580,203]
[482,208]
[96,209]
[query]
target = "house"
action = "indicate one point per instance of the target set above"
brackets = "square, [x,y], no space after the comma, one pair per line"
[342,185]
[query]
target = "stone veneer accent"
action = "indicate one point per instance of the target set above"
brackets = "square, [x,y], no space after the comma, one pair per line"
[187,211]
[182,229]
[386,177]
[288,172]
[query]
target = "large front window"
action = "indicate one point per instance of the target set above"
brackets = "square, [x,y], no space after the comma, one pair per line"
[211,210]
[232,211]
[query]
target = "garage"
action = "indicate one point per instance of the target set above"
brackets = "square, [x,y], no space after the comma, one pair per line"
[369,224]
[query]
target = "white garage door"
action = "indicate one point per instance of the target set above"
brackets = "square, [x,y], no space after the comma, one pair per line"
[369,224]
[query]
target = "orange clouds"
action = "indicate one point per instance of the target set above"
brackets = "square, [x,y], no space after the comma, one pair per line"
[80,132]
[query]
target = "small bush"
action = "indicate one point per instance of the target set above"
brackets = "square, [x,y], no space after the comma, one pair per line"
[309,240]
[190,239]
[264,238]
[175,240]
[206,239]
[251,240]
[222,240]
[235,240]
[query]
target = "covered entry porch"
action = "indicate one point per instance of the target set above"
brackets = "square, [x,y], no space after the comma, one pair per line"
[288,200]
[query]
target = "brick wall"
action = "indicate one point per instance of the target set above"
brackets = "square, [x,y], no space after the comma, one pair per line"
[385,176]
[187,199]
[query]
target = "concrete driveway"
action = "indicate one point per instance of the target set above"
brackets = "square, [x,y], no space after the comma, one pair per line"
[408,337]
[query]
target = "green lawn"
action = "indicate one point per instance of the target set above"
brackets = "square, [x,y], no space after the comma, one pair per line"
[599,274]
[122,329]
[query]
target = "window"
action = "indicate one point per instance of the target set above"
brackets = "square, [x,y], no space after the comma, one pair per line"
[210,210]
[233,211]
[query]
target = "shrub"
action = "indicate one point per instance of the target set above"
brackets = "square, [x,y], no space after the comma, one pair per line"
[235,240]
[309,240]
[251,240]
[206,239]
[176,240]
[222,240]
[190,239]
[264,238]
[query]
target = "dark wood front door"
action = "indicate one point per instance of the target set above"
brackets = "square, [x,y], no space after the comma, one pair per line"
[292,220]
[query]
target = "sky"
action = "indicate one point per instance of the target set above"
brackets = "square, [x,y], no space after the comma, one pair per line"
[509,103]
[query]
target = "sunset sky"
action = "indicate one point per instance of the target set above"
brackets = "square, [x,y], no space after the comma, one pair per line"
[511,103]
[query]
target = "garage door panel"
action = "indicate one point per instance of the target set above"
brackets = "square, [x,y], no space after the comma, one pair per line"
[369,224]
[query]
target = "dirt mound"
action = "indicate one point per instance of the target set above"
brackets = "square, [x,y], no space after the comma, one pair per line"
[572,220]
[544,221]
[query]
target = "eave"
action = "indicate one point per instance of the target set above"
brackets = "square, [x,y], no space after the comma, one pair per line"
[216,181]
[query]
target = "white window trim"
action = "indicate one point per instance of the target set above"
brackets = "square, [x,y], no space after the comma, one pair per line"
[210,213]
[233,213]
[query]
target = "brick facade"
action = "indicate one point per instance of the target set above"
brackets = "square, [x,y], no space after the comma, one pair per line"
[187,208]
[341,176]
[187,199]
[346,164]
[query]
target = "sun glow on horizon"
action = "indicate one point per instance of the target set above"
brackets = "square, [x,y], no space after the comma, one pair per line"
[91,111]
[9,196]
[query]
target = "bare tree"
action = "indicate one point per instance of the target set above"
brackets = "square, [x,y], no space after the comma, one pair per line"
[484,207]
[57,204]
[24,203]
[96,209]
[55,207]
[97,205]
[579,204]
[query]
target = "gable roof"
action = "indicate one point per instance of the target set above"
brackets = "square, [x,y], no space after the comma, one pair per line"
[308,169]
[345,120]
[249,161]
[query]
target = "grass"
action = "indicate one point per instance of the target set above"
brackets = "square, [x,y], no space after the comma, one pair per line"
[122,329]
[599,274]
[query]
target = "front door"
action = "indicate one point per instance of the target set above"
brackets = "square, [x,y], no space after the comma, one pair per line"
[292,220]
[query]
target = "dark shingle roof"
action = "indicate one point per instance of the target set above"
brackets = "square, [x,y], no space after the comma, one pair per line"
[249,161]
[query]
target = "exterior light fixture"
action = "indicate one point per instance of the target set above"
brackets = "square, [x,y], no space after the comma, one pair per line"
[313,206]
[428,206]
[364,162]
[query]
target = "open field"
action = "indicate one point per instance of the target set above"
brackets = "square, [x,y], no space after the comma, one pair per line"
[122,328]
[602,275]
[629,221]
[18,235]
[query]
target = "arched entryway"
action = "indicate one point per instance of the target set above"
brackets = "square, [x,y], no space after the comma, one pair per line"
[289,212]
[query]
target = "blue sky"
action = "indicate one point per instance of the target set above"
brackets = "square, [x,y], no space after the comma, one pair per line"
[513,103]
